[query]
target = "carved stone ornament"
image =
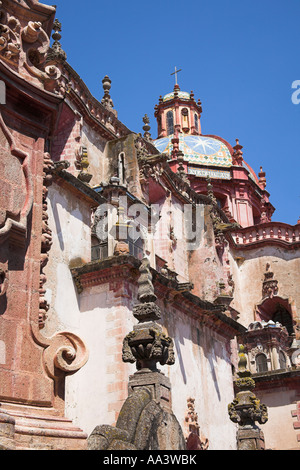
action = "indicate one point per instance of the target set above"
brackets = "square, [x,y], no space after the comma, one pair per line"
[246,409]
[270,285]
[16,195]
[66,352]
[147,344]
[194,439]
[26,46]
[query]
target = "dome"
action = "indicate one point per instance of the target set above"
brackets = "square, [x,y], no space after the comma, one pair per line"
[198,149]
[180,94]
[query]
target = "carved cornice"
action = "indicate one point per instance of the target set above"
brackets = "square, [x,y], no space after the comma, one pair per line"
[125,269]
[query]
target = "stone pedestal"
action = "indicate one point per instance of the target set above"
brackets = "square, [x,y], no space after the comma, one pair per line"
[157,383]
[250,438]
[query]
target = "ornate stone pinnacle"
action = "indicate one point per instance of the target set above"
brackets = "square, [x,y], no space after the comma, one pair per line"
[146,310]
[246,409]
[238,154]
[106,100]
[262,179]
[146,289]
[147,344]
[56,53]
[146,127]
[210,191]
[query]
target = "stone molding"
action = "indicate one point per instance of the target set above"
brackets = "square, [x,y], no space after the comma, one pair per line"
[120,269]
[270,233]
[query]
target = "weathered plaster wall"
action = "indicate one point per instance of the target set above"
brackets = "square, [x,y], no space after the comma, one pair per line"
[202,371]
[98,162]
[205,269]
[169,236]
[95,395]
[279,431]
[248,275]
[69,220]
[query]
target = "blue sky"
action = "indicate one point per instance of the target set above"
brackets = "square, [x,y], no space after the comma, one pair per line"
[239,57]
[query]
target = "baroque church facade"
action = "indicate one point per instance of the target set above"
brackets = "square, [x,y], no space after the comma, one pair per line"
[147,298]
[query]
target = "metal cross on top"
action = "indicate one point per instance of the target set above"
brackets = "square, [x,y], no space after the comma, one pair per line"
[175,73]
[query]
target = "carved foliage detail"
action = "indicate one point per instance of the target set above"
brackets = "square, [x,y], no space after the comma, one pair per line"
[46,240]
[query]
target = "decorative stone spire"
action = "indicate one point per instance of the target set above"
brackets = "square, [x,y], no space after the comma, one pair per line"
[210,191]
[146,344]
[84,164]
[146,128]
[246,409]
[180,170]
[146,289]
[175,143]
[238,154]
[56,53]
[262,179]
[106,100]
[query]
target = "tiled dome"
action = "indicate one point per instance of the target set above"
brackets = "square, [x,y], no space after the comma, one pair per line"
[197,149]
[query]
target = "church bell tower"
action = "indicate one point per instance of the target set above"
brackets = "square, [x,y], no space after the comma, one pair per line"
[178,113]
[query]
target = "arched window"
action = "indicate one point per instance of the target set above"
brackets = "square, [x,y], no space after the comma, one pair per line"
[185,119]
[282,360]
[261,363]
[196,122]
[170,123]
[282,316]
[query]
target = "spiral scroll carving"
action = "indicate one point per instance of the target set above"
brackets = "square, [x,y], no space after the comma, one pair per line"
[66,353]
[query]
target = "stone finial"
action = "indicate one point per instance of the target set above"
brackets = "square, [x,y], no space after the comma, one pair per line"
[238,154]
[146,128]
[246,409]
[56,53]
[146,289]
[210,191]
[262,179]
[181,170]
[84,164]
[147,344]
[106,100]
